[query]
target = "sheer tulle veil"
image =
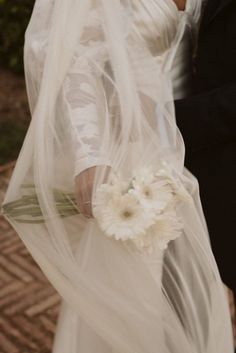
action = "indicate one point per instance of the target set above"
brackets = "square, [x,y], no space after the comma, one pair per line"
[106,284]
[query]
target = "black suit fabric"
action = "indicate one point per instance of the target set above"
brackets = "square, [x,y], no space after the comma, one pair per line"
[207,121]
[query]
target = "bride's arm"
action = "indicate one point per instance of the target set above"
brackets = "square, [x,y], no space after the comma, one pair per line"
[83,94]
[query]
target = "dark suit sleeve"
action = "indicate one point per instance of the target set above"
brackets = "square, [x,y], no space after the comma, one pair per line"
[209,118]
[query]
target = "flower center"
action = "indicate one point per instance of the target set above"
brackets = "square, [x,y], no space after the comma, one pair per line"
[147,192]
[127,214]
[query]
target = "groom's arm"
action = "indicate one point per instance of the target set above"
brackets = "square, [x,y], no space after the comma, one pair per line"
[209,118]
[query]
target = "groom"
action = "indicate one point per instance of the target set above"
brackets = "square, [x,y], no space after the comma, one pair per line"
[207,121]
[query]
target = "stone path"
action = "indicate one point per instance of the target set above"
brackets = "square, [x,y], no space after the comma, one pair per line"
[28,303]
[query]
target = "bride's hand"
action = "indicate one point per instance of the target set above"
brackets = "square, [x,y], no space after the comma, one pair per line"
[84,187]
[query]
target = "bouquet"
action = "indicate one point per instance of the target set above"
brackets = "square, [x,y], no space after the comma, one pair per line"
[141,211]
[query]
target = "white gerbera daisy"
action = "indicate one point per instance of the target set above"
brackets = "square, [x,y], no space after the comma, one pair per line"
[167,227]
[173,178]
[156,195]
[144,175]
[115,188]
[123,217]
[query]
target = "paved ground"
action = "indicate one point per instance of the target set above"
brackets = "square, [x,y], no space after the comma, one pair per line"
[28,303]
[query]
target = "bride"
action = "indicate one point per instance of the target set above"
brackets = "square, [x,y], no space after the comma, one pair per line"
[100,195]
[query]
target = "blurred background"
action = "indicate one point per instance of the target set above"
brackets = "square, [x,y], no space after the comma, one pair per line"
[28,303]
[14,114]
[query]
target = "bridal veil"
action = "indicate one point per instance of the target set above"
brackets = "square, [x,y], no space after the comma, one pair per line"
[99,96]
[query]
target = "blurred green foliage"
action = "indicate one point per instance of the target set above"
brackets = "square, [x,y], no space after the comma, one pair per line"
[14,18]
[11,137]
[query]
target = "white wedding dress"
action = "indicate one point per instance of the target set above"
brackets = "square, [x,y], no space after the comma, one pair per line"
[116,300]
[73,335]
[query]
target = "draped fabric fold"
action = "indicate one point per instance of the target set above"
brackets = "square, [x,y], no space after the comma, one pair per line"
[98,77]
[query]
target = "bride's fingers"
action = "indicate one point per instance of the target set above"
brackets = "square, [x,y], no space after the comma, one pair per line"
[84,185]
[80,201]
[84,206]
[84,201]
[87,209]
[87,195]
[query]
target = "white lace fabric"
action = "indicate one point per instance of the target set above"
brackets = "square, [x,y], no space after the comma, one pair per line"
[83,94]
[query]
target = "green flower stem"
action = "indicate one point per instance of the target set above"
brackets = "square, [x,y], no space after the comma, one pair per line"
[30,221]
[28,206]
[25,211]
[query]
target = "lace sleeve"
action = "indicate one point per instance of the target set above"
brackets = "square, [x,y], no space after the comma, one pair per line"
[83,94]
